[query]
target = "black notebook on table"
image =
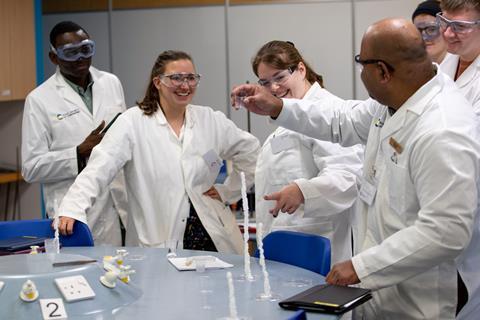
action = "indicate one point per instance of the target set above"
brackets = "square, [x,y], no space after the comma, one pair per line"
[328,299]
[16,244]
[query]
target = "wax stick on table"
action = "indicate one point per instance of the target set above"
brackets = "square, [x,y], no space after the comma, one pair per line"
[266,282]
[231,297]
[55,226]
[246,255]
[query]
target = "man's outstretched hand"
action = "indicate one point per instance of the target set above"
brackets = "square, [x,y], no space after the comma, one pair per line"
[256,99]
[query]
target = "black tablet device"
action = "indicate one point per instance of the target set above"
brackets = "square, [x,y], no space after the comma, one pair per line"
[328,299]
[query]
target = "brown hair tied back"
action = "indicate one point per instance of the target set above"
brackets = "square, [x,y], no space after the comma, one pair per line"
[151,100]
[283,55]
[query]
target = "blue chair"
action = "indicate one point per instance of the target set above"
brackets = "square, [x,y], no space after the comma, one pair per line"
[299,315]
[308,251]
[81,237]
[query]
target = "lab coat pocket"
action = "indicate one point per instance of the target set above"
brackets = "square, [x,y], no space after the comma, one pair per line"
[277,177]
[229,224]
[67,129]
[397,187]
[284,176]
[220,211]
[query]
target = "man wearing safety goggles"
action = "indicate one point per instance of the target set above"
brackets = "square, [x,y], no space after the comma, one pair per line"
[460,26]
[424,18]
[64,119]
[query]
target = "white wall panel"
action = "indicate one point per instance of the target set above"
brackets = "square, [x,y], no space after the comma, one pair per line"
[140,35]
[368,12]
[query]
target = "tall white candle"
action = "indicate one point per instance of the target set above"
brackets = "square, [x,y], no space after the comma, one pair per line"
[246,255]
[55,226]
[231,297]
[266,282]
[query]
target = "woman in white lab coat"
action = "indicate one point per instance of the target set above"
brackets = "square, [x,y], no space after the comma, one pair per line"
[294,166]
[171,152]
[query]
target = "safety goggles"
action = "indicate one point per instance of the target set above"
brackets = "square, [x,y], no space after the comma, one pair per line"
[429,30]
[178,79]
[457,26]
[75,51]
[278,79]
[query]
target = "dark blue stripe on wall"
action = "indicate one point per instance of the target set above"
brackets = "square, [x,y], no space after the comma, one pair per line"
[38,41]
[39,66]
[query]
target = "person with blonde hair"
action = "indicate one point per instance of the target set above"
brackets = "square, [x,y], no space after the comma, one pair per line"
[460,26]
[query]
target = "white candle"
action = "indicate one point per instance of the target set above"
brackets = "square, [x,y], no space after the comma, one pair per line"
[246,255]
[231,297]
[55,226]
[266,282]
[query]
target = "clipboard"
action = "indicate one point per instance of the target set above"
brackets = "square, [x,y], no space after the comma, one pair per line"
[105,129]
[327,298]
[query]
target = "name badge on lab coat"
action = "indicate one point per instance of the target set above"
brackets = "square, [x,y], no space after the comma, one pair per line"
[213,161]
[367,191]
[281,143]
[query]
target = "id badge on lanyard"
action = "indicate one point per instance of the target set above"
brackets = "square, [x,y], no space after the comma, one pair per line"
[367,191]
[213,161]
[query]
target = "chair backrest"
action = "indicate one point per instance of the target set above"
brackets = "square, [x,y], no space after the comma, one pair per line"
[308,251]
[81,237]
[298,315]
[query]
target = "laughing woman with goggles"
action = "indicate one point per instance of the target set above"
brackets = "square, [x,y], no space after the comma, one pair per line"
[303,184]
[172,152]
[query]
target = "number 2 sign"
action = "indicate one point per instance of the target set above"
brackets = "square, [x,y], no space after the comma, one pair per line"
[53,309]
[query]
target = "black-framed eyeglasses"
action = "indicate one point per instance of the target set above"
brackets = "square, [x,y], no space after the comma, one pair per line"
[373,61]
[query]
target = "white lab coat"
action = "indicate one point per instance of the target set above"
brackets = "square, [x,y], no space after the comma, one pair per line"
[162,171]
[419,193]
[55,122]
[469,261]
[469,80]
[325,172]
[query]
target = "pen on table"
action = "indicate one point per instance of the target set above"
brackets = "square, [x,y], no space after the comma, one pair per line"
[73,263]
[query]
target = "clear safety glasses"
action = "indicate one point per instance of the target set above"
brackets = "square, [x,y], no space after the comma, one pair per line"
[429,30]
[75,51]
[457,26]
[177,79]
[278,79]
